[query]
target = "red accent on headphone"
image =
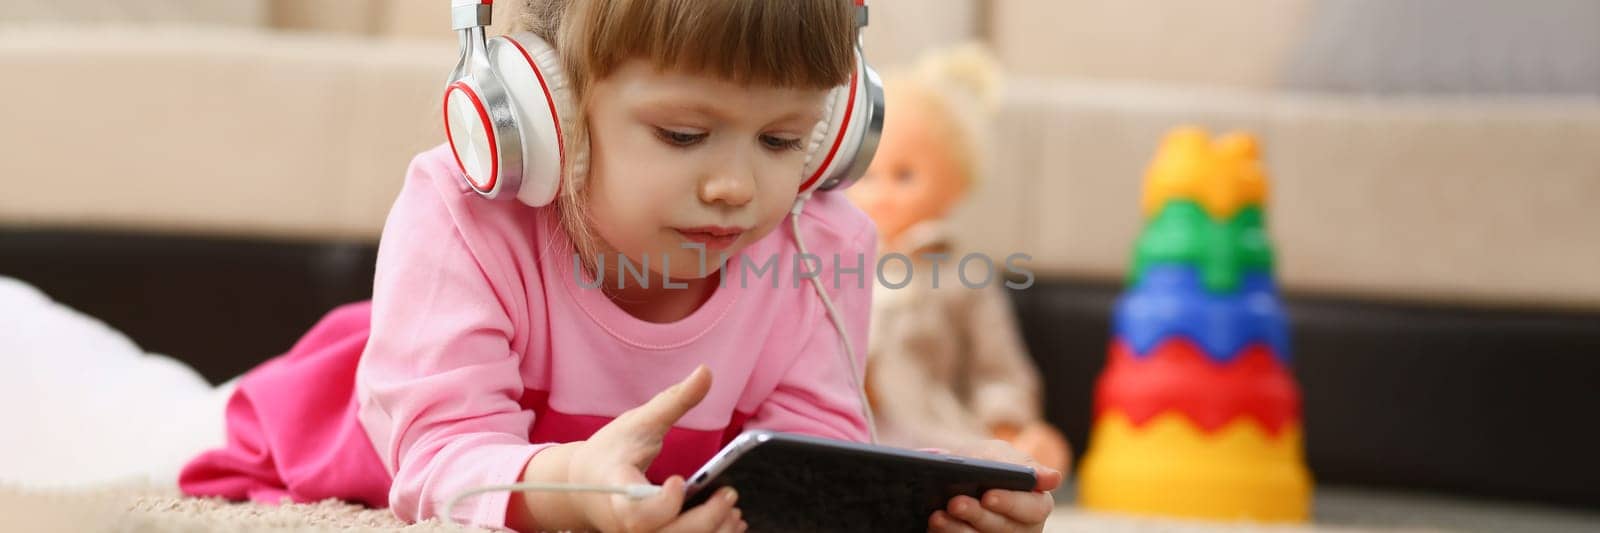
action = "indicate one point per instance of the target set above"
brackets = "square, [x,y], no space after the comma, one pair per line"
[549,100]
[849,109]
[494,146]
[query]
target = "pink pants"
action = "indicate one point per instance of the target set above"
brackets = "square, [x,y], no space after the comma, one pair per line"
[292,426]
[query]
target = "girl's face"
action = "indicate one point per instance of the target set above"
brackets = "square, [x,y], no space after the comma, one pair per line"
[680,158]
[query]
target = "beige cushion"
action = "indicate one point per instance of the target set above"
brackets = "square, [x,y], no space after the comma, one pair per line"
[353,17]
[137,12]
[213,132]
[422,19]
[1240,43]
[898,30]
[430,19]
[1459,200]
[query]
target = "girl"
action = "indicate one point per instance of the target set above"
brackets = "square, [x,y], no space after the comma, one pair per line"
[489,355]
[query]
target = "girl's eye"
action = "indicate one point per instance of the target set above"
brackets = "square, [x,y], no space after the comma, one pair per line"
[678,138]
[779,143]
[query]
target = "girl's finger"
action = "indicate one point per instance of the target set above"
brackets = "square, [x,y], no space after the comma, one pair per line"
[968,510]
[731,524]
[1046,478]
[655,417]
[708,516]
[1022,507]
[942,522]
[650,513]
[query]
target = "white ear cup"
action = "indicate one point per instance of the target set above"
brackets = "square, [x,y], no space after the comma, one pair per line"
[825,149]
[540,95]
[865,130]
[845,141]
[820,142]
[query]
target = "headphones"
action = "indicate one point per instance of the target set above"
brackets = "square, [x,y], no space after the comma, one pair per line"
[508,98]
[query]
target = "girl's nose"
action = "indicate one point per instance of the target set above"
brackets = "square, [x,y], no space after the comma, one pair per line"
[734,184]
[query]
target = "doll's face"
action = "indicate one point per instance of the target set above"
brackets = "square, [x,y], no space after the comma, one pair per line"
[913,177]
[679,158]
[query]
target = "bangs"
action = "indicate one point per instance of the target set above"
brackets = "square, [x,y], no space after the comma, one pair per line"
[785,43]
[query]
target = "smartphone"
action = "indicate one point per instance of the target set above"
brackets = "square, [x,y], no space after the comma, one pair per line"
[790,482]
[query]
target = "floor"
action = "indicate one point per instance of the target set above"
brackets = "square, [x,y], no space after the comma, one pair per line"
[136,509]
[1344,509]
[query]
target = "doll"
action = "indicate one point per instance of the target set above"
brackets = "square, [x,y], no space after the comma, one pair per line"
[946,363]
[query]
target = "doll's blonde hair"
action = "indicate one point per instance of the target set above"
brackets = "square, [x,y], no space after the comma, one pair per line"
[960,89]
[784,43]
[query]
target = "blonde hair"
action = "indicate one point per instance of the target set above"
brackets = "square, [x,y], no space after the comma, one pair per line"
[959,87]
[786,43]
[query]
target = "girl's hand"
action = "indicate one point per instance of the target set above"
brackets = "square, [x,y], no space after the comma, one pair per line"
[619,453]
[1043,443]
[1000,510]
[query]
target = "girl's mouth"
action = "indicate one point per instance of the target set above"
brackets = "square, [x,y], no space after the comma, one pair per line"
[713,237]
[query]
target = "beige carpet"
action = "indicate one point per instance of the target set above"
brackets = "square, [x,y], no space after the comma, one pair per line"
[138,509]
[145,509]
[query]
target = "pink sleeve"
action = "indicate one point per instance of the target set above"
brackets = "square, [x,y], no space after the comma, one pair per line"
[815,395]
[439,385]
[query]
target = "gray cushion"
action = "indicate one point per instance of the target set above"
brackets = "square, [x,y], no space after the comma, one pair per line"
[1449,47]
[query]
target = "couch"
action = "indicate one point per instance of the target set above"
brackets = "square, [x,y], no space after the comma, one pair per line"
[209,177]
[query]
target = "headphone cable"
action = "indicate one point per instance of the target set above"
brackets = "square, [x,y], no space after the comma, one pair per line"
[833,315]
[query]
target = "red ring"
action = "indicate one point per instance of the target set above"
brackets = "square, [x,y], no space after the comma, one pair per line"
[494,146]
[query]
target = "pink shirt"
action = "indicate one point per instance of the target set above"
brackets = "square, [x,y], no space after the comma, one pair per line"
[484,348]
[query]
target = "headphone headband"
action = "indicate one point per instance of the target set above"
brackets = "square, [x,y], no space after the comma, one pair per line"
[471,13]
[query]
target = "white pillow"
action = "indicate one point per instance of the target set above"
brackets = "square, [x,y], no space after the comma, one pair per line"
[84,405]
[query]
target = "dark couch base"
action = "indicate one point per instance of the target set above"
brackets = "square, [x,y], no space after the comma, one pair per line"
[1490,403]
[1480,402]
